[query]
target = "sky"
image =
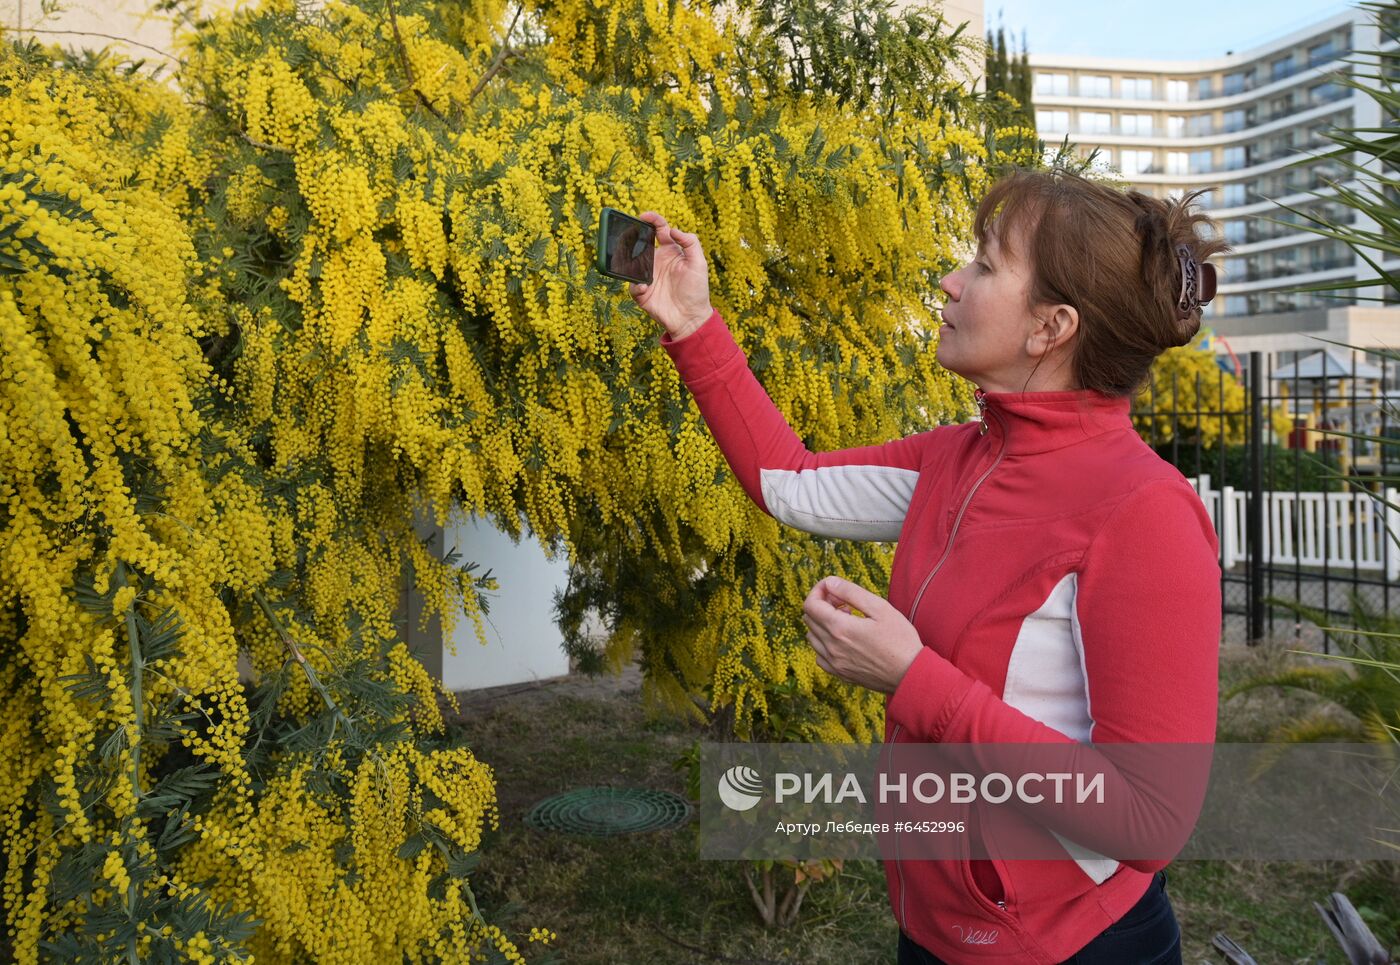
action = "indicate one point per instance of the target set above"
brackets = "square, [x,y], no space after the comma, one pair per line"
[1171,30]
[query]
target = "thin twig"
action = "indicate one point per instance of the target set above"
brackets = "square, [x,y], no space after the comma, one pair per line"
[792,903]
[499,62]
[94,33]
[183,693]
[407,67]
[380,768]
[763,909]
[266,147]
[290,643]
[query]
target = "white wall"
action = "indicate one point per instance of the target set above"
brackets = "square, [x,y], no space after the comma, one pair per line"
[95,23]
[524,643]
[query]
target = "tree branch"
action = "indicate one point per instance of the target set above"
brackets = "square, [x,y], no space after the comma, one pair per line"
[407,67]
[792,902]
[290,643]
[763,910]
[499,62]
[265,147]
[94,33]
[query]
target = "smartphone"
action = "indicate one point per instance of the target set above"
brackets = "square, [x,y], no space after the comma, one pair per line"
[625,246]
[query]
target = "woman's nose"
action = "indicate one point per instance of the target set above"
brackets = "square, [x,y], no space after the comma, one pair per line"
[949,284]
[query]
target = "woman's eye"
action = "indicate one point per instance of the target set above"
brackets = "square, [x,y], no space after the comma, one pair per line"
[981,266]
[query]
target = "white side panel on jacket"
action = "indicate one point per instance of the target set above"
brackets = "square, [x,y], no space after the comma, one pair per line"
[1045,676]
[1046,679]
[847,502]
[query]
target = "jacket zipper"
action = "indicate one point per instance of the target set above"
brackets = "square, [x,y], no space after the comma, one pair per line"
[899,865]
[963,509]
[982,407]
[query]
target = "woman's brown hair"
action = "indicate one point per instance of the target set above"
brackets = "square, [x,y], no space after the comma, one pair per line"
[1111,255]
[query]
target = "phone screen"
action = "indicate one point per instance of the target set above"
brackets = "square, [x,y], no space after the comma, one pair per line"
[629,246]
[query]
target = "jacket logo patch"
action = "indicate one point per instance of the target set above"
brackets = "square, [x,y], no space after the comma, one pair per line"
[976,936]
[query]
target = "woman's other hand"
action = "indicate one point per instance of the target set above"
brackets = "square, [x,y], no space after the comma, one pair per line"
[678,297]
[873,651]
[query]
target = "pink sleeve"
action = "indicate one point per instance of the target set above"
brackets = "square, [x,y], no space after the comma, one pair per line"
[861,493]
[1148,623]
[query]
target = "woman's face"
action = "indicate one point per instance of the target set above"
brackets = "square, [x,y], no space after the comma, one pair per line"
[989,332]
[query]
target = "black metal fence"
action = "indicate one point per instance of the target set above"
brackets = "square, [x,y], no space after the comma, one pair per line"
[1289,527]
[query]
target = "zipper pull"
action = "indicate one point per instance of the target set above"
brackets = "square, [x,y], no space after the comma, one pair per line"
[980,397]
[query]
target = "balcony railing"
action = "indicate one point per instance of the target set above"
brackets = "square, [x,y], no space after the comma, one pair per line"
[1265,78]
[1325,55]
[1257,229]
[1284,272]
[1205,127]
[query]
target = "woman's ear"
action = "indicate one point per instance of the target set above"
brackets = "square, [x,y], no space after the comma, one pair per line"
[1057,326]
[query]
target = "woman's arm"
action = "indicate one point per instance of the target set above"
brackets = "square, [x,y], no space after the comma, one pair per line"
[861,493]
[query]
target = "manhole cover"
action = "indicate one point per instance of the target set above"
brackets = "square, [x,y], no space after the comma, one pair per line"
[608,810]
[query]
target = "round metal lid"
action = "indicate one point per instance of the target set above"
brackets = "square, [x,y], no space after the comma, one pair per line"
[602,811]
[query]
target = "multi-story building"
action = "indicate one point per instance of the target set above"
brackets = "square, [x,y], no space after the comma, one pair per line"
[1250,129]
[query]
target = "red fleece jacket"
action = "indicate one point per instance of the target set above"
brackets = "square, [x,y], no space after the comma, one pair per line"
[1066,584]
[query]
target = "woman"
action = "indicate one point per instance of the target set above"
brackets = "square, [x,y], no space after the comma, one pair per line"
[1055,580]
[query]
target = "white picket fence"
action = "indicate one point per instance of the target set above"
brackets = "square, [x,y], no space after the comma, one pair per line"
[1349,528]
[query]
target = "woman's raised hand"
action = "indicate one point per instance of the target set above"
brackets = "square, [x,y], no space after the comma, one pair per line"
[678,297]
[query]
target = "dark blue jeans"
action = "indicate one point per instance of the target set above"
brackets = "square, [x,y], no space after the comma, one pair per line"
[1147,935]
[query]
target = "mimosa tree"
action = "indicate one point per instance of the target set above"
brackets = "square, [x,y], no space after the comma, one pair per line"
[248,328]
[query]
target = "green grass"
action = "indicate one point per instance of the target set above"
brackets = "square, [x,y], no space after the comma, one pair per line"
[638,898]
[644,898]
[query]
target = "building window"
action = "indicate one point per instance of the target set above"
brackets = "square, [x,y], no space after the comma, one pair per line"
[1204,89]
[1234,194]
[1322,93]
[1176,90]
[1199,125]
[1202,161]
[1136,162]
[1235,231]
[1232,121]
[1236,305]
[1320,53]
[1282,67]
[1095,122]
[1052,84]
[1137,88]
[1238,82]
[1234,158]
[1280,145]
[1178,162]
[1095,85]
[1052,120]
[1138,124]
[1280,107]
[1176,125]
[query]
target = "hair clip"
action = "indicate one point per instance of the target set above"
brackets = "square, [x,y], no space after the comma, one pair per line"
[1197,282]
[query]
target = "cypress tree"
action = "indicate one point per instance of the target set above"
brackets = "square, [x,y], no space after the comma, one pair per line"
[997,66]
[1024,88]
